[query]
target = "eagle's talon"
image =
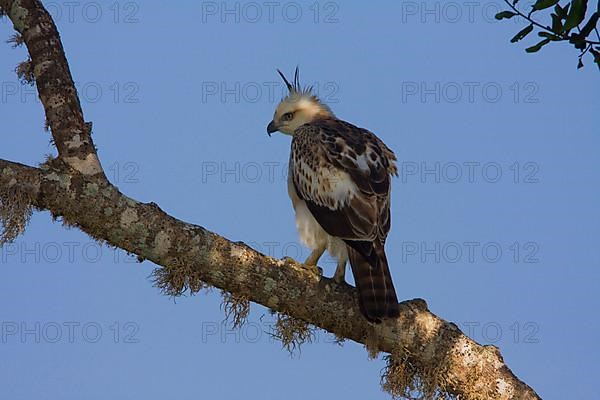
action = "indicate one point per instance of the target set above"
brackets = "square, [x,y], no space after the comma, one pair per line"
[340,280]
[339,276]
[314,257]
[315,269]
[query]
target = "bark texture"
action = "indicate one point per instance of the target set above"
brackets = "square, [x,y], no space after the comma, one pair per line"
[423,347]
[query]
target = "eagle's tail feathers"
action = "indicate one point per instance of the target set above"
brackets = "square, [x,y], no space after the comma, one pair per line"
[376,294]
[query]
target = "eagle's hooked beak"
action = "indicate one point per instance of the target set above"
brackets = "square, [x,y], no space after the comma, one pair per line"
[272,128]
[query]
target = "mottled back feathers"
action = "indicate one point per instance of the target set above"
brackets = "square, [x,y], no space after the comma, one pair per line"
[342,173]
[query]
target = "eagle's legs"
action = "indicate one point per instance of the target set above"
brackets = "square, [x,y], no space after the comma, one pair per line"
[340,272]
[314,257]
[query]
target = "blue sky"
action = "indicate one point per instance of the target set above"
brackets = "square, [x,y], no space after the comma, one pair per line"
[495,217]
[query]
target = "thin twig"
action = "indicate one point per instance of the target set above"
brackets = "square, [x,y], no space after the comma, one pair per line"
[547,28]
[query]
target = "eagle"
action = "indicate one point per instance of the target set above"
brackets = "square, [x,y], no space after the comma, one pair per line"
[339,183]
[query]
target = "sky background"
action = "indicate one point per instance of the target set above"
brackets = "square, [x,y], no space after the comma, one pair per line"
[495,212]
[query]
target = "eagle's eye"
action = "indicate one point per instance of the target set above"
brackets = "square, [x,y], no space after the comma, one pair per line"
[287,116]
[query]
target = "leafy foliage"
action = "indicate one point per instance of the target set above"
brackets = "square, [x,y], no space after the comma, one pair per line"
[567,23]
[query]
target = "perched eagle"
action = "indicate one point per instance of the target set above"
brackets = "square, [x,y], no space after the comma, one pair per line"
[339,184]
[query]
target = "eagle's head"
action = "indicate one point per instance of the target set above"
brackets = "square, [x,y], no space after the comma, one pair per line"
[299,107]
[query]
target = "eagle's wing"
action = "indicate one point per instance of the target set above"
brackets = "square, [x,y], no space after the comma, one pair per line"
[343,174]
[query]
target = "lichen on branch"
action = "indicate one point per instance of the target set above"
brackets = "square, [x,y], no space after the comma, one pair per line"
[16,204]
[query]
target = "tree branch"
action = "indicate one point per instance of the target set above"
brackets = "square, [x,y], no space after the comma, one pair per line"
[426,341]
[72,136]
[423,347]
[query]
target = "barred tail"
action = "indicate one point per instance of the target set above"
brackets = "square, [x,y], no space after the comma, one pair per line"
[376,294]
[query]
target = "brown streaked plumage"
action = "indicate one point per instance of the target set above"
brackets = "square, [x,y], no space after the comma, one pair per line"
[339,183]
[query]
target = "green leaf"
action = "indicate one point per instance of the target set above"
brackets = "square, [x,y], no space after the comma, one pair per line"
[596,56]
[522,33]
[543,4]
[590,25]
[505,15]
[579,63]
[578,43]
[557,26]
[538,46]
[576,14]
[579,39]
[562,12]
